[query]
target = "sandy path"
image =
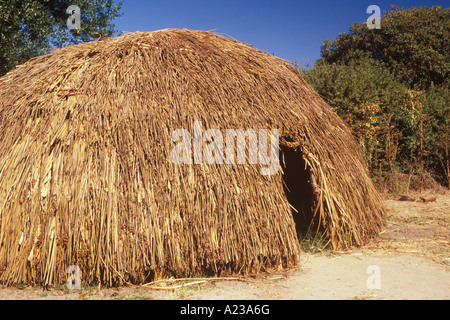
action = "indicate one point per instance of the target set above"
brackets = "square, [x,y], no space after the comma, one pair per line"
[345,277]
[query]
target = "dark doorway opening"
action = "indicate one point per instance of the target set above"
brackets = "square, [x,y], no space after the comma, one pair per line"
[299,191]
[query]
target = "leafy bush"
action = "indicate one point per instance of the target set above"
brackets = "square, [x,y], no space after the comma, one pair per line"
[392,87]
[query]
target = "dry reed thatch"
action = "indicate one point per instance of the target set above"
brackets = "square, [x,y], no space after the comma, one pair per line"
[86,177]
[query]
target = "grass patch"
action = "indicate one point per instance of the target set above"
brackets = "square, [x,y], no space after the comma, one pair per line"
[136,294]
[314,242]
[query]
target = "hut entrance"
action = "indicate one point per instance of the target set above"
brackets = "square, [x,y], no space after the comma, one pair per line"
[298,189]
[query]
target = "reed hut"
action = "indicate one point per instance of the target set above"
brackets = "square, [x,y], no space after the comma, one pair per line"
[87,178]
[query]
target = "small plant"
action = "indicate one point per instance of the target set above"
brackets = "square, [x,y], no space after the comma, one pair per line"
[136,294]
[21,286]
[313,242]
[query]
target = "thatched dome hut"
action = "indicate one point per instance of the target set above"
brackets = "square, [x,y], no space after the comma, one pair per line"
[87,177]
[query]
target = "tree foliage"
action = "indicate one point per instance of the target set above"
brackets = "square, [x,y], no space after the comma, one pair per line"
[392,87]
[370,99]
[414,44]
[29,28]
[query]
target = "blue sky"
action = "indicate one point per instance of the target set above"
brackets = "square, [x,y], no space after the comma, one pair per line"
[292,30]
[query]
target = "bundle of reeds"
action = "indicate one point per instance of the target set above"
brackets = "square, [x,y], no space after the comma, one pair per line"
[86,176]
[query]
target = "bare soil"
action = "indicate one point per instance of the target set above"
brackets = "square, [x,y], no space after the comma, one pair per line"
[412,256]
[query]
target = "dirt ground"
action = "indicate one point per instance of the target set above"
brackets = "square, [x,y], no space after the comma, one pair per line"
[409,260]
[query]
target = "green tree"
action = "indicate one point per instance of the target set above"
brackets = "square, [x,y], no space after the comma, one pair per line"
[391,85]
[436,110]
[30,28]
[374,104]
[414,44]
